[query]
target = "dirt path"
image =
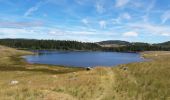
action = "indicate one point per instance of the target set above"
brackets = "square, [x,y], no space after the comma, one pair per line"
[50,95]
[107,83]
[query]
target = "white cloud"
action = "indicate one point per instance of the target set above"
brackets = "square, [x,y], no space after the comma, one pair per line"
[45,15]
[39,31]
[102,24]
[121,17]
[137,4]
[130,34]
[100,7]
[116,21]
[60,32]
[153,29]
[17,32]
[33,9]
[149,7]
[13,30]
[166,34]
[80,1]
[56,32]
[126,16]
[85,21]
[20,24]
[121,3]
[145,18]
[165,16]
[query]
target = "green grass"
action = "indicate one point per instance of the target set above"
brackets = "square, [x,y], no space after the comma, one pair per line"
[141,81]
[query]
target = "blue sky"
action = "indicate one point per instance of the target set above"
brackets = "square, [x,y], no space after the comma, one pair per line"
[86,20]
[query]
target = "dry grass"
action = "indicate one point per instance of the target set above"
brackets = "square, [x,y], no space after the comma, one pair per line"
[142,81]
[37,82]
[145,81]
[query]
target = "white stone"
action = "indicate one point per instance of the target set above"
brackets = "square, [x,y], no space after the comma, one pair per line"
[14,82]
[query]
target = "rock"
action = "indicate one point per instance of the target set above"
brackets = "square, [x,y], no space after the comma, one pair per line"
[89,68]
[125,68]
[14,82]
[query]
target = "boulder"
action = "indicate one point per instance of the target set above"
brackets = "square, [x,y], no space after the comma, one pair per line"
[89,68]
[125,68]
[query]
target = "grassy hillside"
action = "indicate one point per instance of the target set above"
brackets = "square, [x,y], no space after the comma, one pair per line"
[113,43]
[145,81]
[138,81]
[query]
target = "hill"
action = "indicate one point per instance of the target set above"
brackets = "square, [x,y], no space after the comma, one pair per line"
[140,44]
[113,43]
[164,44]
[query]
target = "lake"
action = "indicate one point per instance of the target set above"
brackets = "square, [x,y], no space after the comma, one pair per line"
[83,58]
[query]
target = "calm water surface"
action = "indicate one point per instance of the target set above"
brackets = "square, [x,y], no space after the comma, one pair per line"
[83,59]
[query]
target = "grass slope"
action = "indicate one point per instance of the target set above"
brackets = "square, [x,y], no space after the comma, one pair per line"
[145,81]
[141,81]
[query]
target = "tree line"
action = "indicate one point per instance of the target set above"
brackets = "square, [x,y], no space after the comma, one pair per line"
[48,44]
[75,45]
[136,48]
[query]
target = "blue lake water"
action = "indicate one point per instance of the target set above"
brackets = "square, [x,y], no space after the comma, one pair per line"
[83,59]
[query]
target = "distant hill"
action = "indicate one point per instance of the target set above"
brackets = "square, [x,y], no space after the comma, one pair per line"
[164,44]
[140,44]
[119,43]
[113,43]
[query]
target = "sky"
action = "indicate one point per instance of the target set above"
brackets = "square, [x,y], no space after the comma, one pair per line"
[86,20]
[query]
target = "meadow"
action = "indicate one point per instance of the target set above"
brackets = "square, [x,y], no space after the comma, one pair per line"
[20,80]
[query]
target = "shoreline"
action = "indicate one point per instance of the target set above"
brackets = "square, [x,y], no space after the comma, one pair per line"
[67,66]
